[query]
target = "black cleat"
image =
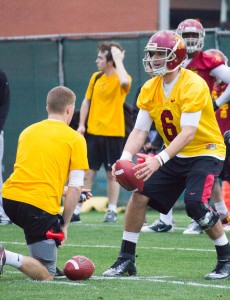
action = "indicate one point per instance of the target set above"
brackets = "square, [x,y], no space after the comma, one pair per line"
[75,218]
[2,258]
[125,265]
[222,271]
[59,273]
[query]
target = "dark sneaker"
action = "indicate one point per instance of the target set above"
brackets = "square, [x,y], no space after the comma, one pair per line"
[158,226]
[122,267]
[59,273]
[110,216]
[222,271]
[75,218]
[2,258]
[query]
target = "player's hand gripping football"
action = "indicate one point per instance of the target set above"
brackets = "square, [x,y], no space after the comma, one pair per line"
[147,168]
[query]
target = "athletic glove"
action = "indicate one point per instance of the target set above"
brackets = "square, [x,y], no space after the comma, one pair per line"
[227,137]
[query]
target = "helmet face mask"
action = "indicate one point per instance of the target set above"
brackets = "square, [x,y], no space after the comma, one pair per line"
[193,34]
[164,53]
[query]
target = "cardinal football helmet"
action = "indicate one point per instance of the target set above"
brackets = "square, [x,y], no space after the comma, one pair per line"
[195,42]
[218,55]
[165,46]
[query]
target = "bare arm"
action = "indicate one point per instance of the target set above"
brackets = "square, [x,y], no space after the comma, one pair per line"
[118,57]
[70,203]
[83,115]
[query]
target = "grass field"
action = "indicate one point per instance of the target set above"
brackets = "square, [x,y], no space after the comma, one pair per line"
[169,265]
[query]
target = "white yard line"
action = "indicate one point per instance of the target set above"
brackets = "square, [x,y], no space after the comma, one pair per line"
[159,279]
[115,247]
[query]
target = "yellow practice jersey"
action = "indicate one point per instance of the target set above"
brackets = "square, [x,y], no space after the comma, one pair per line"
[107,96]
[46,152]
[189,94]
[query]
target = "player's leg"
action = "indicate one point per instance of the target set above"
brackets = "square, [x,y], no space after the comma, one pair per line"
[112,152]
[27,265]
[199,186]
[134,217]
[34,221]
[160,191]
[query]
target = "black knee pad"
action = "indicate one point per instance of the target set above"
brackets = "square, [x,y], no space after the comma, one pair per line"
[202,213]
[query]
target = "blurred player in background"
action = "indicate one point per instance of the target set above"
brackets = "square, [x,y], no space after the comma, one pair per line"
[4,109]
[209,68]
[179,103]
[223,119]
[49,154]
[103,105]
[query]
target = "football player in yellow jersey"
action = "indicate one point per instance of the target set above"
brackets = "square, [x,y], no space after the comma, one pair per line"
[103,104]
[179,103]
[49,154]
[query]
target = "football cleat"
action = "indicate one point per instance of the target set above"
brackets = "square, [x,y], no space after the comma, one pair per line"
[110,216]
[158,226]
[222,271]
[59,273]
[75,218]
[193,228]
[122,267]
[2,258]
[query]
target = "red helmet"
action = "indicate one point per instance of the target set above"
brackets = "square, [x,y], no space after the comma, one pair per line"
[169,44]
[196,41]
[218,55]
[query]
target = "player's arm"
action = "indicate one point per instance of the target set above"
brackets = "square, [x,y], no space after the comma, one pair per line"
[83,115]
[222,73]
[76,181]
[118,57]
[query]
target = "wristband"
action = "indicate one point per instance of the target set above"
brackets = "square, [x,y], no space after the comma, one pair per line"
[126,155]
[164,156]
[159,159]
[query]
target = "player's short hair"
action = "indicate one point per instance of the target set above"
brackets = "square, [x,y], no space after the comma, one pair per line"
[106,46]
[59,98]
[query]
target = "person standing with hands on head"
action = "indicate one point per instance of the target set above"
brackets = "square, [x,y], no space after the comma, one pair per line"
[4,110]
[103,105]
[179,102]
[49,154]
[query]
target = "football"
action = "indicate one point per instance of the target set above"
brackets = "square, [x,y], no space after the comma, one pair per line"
[79,268]
[125,176]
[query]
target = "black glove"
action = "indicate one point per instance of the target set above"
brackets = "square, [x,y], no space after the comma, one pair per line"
[227,137]
[215,106]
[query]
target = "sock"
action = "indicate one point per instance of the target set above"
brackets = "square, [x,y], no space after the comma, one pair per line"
[77,210]
[221,207]
[112,207]
[128,247]
[129,242]
[223,252]
[13,259]
[167,219]
[221,241]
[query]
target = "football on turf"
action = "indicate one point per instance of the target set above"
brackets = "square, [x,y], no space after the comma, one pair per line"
[79,268]
[125,175]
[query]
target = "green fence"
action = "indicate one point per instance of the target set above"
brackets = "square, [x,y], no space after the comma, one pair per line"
[36,64]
